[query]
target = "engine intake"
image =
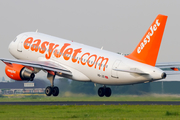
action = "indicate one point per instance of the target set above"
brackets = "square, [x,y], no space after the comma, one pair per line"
[19,72]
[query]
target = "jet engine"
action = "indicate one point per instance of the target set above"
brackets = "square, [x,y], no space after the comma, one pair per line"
[19,72]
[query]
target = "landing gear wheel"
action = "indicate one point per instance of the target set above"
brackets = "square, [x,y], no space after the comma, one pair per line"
[101,92]
[107,92]
[55,91]
[48,91]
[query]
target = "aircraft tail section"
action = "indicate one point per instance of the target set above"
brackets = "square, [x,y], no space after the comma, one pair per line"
[148,48]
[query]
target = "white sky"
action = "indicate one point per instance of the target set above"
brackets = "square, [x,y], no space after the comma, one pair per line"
[117,25]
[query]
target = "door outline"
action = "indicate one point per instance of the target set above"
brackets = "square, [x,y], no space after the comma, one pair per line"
[114,73]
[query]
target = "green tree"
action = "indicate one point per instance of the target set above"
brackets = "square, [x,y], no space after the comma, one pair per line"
[63,84]
[82,87]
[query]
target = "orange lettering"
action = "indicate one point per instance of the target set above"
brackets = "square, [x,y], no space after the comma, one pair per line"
[75,53]
[43,47]
[51,48]
[35,47]
[82,58]
[27,42]
[56,54]
[94,60]
[102,62]
[67,53]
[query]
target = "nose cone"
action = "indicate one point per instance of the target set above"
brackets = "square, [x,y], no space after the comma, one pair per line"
[13,49]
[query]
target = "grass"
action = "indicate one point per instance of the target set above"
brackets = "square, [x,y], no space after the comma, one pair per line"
[81,97]
[85,112]
[92,112]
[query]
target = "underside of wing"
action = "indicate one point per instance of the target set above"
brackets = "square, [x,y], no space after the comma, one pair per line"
[48,66]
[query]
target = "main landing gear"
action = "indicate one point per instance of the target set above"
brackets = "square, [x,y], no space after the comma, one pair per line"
[51,90]
[104,91]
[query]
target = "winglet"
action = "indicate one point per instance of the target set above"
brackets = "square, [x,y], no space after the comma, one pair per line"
[148,48]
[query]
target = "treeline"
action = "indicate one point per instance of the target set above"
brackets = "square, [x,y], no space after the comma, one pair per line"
[136,89]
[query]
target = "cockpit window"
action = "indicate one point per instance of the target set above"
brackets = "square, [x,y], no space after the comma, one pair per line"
[15,39]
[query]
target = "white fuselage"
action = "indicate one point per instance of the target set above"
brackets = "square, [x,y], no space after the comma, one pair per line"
[85,62]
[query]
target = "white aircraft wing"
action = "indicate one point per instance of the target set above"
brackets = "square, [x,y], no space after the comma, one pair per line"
[171,68]
[43,65]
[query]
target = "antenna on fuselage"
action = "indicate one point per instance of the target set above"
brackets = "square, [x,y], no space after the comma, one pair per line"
[101,47]
[36,30]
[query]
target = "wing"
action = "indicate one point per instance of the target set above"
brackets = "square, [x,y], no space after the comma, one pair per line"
[49,66]
[171,68]
[168,65]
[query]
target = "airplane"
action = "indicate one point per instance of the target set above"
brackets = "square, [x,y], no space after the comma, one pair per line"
[36,51]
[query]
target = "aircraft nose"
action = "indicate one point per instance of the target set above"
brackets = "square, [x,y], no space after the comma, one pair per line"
[10,47]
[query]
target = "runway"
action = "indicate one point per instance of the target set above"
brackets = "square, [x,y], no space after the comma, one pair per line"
[95,103]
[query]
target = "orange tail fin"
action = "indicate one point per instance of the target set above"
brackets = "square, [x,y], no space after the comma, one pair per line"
[148,48]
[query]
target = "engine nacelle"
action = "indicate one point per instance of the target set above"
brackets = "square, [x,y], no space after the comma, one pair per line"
[18,72]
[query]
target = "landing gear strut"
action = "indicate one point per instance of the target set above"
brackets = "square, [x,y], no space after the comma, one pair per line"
[51,90]
[104,91]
